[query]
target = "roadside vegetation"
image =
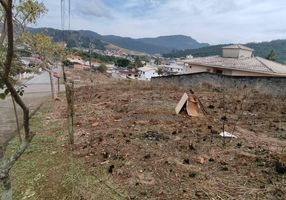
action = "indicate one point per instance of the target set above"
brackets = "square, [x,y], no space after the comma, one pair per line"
[48,169]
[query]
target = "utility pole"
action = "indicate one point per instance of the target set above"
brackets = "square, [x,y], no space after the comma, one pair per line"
[69,14]
[69,85]
[90,66]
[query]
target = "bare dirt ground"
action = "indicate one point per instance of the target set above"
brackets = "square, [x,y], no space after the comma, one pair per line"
[129,130]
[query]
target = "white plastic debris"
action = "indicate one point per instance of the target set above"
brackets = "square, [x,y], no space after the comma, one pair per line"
[227,135]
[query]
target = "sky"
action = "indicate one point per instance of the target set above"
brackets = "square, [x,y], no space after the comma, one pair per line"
[211,21]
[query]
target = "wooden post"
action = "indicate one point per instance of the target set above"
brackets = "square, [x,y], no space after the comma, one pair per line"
[52,84]
[70,109]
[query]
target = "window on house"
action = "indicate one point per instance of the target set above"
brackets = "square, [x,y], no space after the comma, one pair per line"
[218,71]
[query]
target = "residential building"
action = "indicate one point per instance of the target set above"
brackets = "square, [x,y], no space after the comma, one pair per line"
[189,56]
[77,62]
[147,72]
[30,61]
[236,60]
[175,67]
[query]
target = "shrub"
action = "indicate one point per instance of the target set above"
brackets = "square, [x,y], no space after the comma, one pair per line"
[102,68]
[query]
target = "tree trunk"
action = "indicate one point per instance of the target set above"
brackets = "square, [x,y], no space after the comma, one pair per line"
[70,105]
[70,110]
[52,85]
[17,119]
[6,189]
[5,167]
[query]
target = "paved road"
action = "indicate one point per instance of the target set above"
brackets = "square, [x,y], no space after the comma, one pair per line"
[40,79]
[37,91]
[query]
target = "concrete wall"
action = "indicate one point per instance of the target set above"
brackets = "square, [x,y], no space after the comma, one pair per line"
[190,69]
[269,85]
[197,69]
[147,75]
[236,53]
[244,73]
[245,53]
[230,53]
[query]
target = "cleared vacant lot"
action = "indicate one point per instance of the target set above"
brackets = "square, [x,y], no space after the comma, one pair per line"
[130,144]
[129,130]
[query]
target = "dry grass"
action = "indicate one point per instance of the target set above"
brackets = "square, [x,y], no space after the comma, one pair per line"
[131,145]
[48,169]
[128,129]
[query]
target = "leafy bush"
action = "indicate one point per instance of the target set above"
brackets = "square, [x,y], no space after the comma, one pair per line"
[102,68]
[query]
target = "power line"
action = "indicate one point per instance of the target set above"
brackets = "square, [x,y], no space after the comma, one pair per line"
[69,14]
[62,14]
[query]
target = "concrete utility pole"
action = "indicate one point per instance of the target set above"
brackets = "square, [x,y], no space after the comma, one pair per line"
[90,52]
[90,56]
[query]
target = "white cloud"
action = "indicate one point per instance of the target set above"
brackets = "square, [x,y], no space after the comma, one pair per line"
[94,8]
[213,21]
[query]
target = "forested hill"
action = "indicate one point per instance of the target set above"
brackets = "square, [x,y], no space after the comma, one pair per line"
[157,45]
[261,49]
[72,38]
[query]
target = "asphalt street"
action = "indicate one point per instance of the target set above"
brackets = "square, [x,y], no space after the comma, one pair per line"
[38,90]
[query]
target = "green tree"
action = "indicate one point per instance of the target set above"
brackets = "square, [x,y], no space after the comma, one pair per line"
[157,61]
[102,68]
[271,55]
[137,62]
[67,63]
[14,14]
[48,51]
[160,71]
[122,62]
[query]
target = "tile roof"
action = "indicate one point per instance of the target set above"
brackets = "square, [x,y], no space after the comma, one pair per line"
[274,66]
[253,64]
[146,68]
[76,60]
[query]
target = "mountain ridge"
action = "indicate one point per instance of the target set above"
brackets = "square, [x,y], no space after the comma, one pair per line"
[152,45]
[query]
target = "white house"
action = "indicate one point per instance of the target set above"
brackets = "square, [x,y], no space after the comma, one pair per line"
[175,67]
[189,56]
[236,60]
[30,61]
[147,72]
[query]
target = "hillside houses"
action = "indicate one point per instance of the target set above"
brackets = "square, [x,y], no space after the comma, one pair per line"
[147,72]
[174,67]
[79,64]
[235,60]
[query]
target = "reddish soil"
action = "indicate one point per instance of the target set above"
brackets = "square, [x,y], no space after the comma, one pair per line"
[130,131]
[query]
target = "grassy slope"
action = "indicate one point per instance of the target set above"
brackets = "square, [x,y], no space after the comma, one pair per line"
[48,171]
